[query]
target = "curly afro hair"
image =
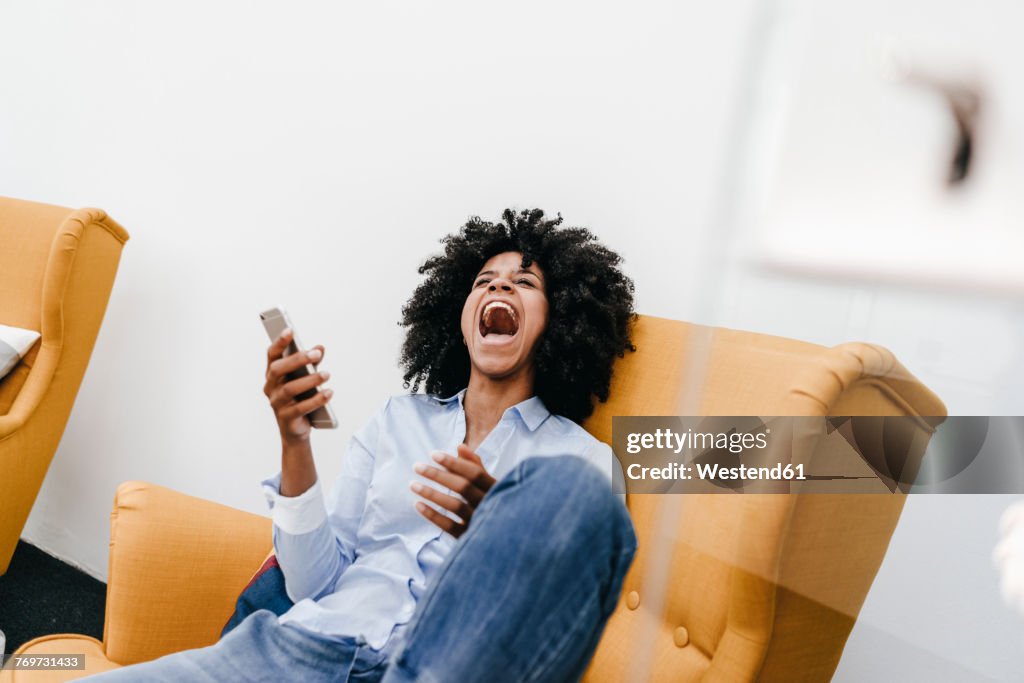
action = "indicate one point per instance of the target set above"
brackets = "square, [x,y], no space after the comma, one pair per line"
[590,310]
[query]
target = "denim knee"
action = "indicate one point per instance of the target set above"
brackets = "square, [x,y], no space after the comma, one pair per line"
[577,497]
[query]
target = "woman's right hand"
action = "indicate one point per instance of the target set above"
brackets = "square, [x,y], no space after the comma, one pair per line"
[291,414]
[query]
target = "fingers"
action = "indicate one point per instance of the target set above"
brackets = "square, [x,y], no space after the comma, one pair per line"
[282,366]
[278,369]
[444,523]
[322,350]
[276,349]
[457,483]
[464,475]
[284,393]
[457,505]
[473,471]
[464,452]
[322,398]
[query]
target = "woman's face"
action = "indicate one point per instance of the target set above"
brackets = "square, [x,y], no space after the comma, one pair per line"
[504,316]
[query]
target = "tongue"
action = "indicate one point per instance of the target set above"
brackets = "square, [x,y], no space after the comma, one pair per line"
[499,321]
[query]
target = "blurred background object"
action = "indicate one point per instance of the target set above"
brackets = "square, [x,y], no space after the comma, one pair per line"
[897,152]
[1008,556]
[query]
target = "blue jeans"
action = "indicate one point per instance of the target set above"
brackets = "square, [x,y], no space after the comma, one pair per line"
[523,596]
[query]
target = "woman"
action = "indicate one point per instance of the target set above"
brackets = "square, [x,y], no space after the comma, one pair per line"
[504,557]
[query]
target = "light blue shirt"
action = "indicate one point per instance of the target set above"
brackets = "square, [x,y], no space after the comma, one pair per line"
[355,564]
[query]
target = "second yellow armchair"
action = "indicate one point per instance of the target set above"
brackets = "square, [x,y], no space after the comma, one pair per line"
[57,268]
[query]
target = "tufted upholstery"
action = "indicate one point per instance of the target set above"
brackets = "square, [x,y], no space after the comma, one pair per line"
[753,587]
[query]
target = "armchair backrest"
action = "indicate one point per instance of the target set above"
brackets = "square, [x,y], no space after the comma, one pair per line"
[748,587]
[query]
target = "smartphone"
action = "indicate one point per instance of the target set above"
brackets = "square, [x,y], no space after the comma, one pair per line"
[275,321]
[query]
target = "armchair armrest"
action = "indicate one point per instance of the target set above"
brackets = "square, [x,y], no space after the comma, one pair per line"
[79,274]
[177,564]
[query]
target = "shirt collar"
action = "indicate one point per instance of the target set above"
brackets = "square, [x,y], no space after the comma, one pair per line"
[452,397]
[532,411]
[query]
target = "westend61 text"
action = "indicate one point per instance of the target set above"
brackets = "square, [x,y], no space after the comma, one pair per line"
[715,472]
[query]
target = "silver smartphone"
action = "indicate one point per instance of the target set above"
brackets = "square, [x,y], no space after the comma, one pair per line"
[275,321]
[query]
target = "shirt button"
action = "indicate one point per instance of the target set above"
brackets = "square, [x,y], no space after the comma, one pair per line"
[633,600]
[681,637]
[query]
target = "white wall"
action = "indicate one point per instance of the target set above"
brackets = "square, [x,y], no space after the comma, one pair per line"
[311,154]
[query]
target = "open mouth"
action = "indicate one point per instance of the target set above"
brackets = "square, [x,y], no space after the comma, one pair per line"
[498,318]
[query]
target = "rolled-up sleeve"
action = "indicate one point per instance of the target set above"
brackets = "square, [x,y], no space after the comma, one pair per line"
[306,549]
[298,515]
[314,537]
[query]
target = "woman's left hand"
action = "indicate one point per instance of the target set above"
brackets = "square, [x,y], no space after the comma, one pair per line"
[464,475]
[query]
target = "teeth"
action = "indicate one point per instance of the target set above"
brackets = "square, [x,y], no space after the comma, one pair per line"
[487,315]
[495,304]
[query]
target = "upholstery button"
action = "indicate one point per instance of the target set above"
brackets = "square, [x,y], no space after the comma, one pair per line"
[681,637]
[633,600]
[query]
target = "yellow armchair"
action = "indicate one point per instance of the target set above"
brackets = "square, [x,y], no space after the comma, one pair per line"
[57,268]
[724,588]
